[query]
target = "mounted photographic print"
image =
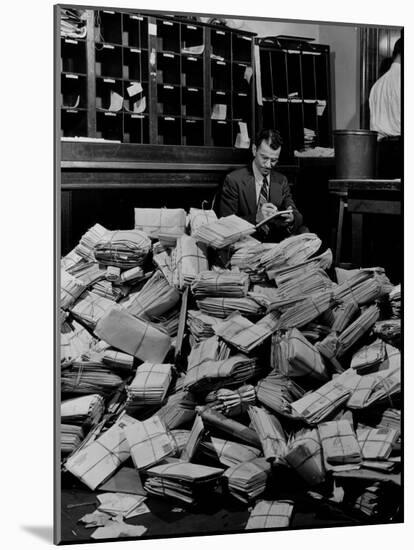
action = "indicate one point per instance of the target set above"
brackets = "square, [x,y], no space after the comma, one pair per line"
[230,260]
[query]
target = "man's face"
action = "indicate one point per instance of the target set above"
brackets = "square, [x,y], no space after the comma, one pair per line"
[265,158]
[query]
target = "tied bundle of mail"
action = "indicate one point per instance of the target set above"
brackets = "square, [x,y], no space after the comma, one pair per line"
[270,514]
[156,222]
[123,248]
[248,480]
[183,481]
[227,284]
[150,384]
[86,410]
[223,232]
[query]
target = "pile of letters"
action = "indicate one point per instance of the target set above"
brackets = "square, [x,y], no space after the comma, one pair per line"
[212,364]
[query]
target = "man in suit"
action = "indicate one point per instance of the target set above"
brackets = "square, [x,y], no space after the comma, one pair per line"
[257,191]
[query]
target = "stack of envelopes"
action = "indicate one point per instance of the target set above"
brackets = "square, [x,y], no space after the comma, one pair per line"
[369,358]
[86,245]
[245,335]
[376,443]
[306,310]
[277,392]
[164,221]
[198,217]
[230,372]
[74,341]
[210,349]
[224,231]
[178,410]
[304,454]
[270,514]
[182,480]
[291,251]
[310,282]
[228,453]
[84,410]
[156,297]
[200,324]
[286,273]
[228,284]
[71,437]
[149,442]
[246,481]
[96,462]
[123,248]
[150,385]
[296,356]
[231,402]
[340,446]
[86,377]
[222,307]
[191,259]
[70,289]
[118,360]
[91,307]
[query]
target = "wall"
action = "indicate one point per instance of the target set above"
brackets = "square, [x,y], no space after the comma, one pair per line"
[345,77]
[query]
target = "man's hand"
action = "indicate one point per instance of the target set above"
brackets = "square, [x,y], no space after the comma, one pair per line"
[268,209]
[288,218]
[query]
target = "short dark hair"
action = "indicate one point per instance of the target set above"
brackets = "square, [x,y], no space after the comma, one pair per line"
[397,49]
[271,137]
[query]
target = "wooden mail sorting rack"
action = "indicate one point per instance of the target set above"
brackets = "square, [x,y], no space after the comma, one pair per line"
[175,81]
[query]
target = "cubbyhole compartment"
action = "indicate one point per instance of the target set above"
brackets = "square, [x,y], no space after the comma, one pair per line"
[73,91]
[221,43]
[168,68]
[168,99]
[169,130]
[109,125]
[108,60]
[221,98]
[308,76]
[220,75]
[242,75]
[104,87]
[192,71]
[294,79]
[136,128]
[281,123]
[73,55]
[108,27]
[191,35]
[135,31]
[193,132]
[241,106]
[168,36]
[135,64]
[192,103]
[242,48]
[279,75]
[137,98]
[221,133]
[310,115]
[73,123]
[296,122]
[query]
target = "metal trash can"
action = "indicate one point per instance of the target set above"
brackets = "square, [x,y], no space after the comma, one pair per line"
[355,154]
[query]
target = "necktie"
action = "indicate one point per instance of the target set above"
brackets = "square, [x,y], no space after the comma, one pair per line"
[263,198]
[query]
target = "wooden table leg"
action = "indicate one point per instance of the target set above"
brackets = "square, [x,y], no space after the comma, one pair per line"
[356,221]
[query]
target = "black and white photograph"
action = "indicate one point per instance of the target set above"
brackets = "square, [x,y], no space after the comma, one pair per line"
[229,269]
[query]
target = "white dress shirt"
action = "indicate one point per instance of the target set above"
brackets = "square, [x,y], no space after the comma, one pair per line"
[385,103]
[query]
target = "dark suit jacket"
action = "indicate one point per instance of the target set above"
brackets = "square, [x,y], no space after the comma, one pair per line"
[238,196]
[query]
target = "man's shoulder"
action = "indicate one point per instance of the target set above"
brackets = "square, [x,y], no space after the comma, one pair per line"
[239,175]
[278,177]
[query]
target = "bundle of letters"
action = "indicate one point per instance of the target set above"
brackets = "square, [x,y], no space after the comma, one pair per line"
[270,372]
